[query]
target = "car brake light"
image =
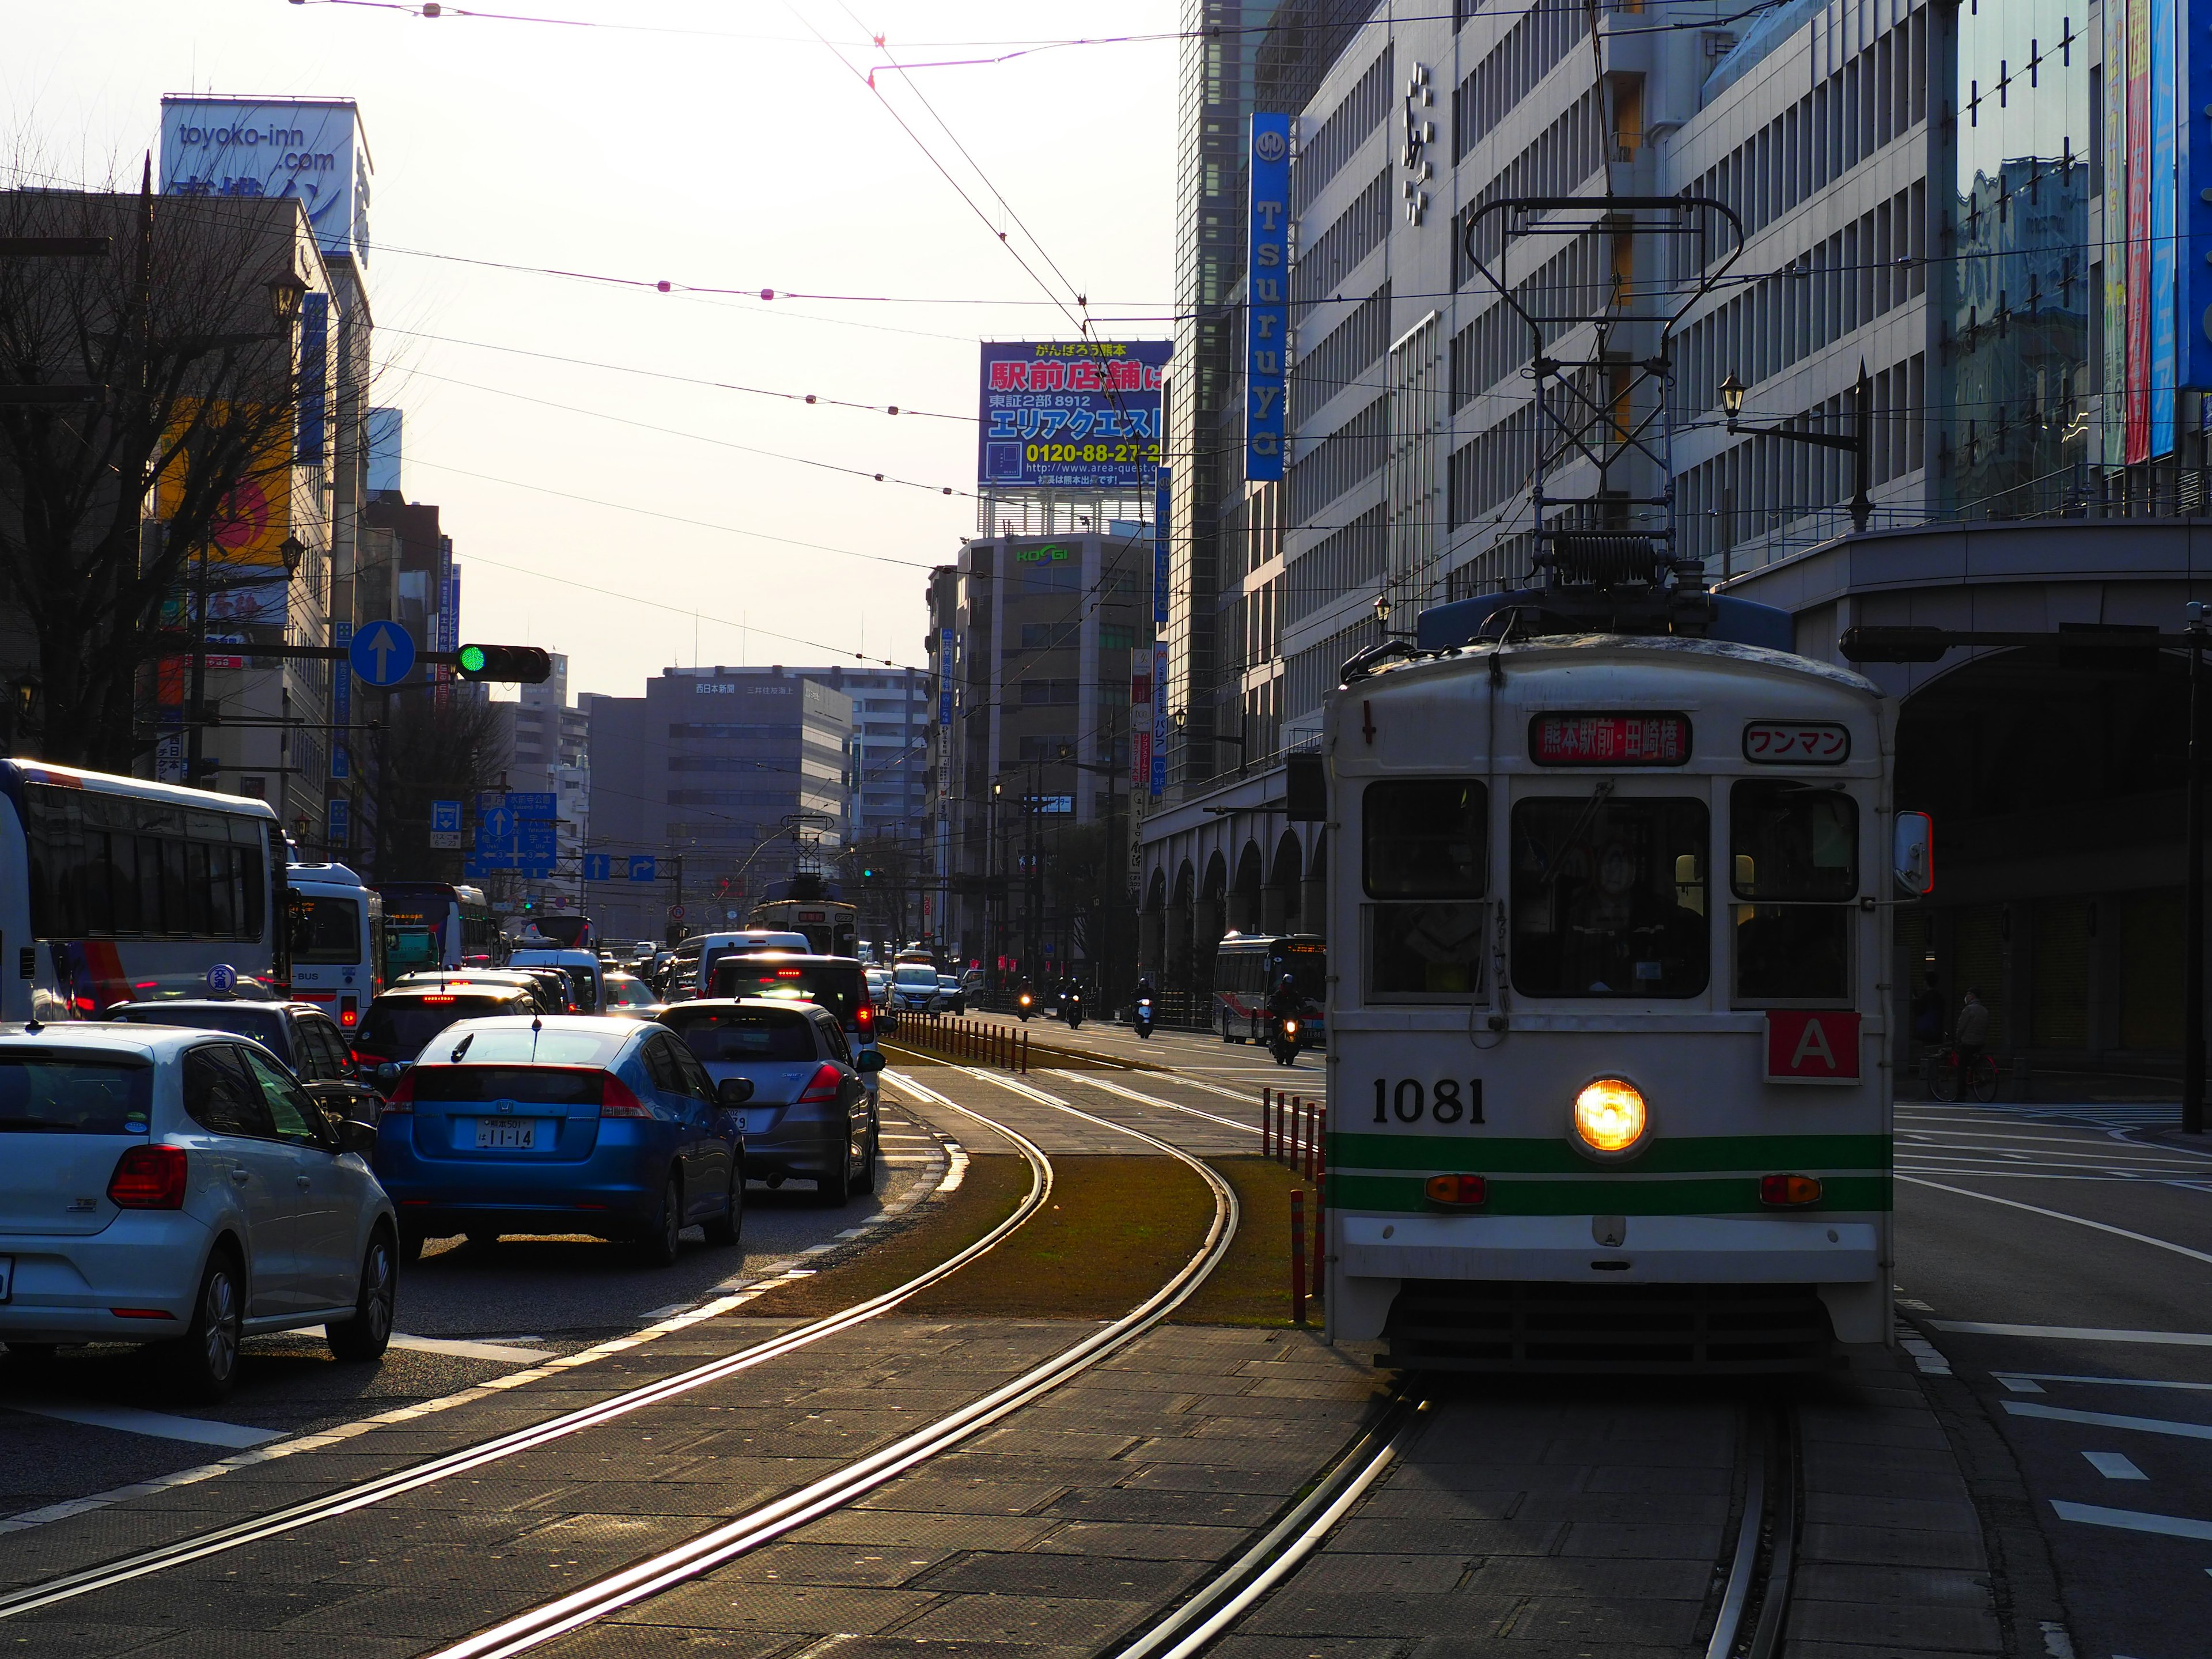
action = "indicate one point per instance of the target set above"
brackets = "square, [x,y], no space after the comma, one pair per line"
[1788,1191]
[822,1086]
[149,1178]
[402,1098]
[1459,1191]
[437,998]
[616,1099]
[864,1017]
[349,1012]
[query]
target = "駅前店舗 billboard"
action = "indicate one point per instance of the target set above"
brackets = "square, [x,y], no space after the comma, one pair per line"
[1079,414]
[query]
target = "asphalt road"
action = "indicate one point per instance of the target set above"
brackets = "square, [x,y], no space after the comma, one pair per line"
[2062,1267]
[95,1418]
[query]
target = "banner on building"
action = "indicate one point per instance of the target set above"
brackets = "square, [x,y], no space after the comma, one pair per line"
[309,149]
[1156,764]
[252,520]
[2165,186]
[1060,415]
[1267,298]
[341,706]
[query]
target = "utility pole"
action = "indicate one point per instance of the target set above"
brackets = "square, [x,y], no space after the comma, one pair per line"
[2192,975]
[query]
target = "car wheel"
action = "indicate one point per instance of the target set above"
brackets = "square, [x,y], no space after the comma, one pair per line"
[34,1353]
[724,1229]
[203,1367]
[865,1182]
[659,1242]
[833,1192]
[368,1333]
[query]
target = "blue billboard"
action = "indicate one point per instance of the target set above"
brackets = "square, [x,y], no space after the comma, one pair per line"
[1071,415]
[1267,298]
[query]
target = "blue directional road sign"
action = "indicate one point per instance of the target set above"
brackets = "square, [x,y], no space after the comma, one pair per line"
[446,817]
[382,653]
[528,806]
[494,832]
[599,867]
[642,870]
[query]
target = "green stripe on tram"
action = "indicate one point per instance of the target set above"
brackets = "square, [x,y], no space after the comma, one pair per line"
[1476,1152]
[1713,1196]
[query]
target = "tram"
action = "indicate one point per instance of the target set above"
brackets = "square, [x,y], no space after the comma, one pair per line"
[1608,1082]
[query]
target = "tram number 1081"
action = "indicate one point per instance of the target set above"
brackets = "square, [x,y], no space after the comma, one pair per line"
[1409,1100]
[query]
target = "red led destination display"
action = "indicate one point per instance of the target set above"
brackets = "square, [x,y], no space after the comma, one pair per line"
[1603,739]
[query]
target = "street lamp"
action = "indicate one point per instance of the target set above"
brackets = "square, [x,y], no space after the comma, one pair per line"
[292,550]
[25,686]
[1856,444]
[286,294]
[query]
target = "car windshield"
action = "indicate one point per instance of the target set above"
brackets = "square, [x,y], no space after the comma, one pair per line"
[741,1034]
[915,976]
[836,986]
[265,1025]
[1609,897]
[397,1028]
[65,1094]
[325,930]
[553,1046]
[623,992]
[406,948]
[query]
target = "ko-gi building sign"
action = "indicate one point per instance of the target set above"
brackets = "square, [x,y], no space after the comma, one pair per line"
[1081,415]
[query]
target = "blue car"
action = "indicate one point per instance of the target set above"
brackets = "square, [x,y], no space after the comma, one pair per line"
[563,1124]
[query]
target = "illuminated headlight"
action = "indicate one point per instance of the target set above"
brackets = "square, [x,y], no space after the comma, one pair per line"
[1610,1117]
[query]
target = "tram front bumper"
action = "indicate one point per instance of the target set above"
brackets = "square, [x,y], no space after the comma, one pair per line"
[1666,1249]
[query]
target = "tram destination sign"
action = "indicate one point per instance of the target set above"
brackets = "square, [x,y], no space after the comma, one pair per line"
[1600,738]
[1796,743]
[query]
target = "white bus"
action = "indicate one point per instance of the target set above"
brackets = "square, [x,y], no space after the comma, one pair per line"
[435,924]
[336,939]
[118,890]
[1608,1084]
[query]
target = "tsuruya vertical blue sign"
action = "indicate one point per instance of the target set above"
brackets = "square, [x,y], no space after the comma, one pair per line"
[1266,297]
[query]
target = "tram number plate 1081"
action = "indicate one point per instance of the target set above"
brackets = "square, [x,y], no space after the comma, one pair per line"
[1446,1100]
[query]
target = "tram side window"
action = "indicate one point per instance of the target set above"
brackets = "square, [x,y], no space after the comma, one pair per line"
[1793,857]
[1424,858]
[113,866]
[1609,897]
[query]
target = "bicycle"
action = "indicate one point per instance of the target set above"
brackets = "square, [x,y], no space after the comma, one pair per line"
[1945,1080]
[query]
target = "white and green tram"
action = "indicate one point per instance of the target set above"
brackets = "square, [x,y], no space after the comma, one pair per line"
[1608,1081]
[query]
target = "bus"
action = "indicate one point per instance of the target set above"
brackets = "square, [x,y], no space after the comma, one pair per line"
[335,938]
[1608,1082]
[118,890]
[431,924]
[566,933]
[832,926]
[1247,968]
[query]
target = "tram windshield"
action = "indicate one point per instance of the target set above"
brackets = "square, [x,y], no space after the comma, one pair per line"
[1426,853]
[1794,852]
[1609,897]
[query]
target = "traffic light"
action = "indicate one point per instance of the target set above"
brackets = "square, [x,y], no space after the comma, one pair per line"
[520,664]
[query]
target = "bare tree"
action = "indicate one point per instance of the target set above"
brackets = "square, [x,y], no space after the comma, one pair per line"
[172,378]
[439,744]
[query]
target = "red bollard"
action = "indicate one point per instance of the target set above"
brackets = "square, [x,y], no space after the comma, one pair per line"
[1313,1139]
[1025,1054]
[1267,1123]
[1321,1214]
[1297,1257]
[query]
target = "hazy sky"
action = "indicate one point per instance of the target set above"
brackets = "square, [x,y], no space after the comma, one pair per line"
[717,146]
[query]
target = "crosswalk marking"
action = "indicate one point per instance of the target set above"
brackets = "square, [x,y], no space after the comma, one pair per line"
[2169,1526]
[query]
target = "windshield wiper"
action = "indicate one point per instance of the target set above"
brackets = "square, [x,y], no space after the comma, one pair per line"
[1598,798]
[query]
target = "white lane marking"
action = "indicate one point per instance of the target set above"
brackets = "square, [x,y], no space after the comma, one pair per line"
[160,1425]
[496,1350]
[2110,1420]
[1983,1172]
[1093,1081]
[2169,1526]
[2115,1466]
[2061,1215]
[2075,1333]
[2024,1381]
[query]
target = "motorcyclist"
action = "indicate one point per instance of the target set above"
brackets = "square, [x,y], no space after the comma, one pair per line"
[1287,1001]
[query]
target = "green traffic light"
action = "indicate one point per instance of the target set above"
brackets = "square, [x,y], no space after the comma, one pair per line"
[471,658]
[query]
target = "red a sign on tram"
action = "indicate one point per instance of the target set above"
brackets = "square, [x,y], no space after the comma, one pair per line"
[1812,1045]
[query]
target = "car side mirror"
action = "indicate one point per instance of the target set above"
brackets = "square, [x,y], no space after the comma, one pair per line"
[1915,855]
[868,1059]
[388,1074]
[733,1091]
[357,1137]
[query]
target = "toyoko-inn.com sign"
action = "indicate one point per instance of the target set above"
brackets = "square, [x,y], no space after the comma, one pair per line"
[250,147]
[1072,415]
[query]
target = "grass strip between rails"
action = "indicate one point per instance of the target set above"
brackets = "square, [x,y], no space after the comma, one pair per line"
[994,1185]
[1252,1286]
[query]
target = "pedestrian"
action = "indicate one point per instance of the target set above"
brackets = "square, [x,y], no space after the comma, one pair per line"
[1971,1033]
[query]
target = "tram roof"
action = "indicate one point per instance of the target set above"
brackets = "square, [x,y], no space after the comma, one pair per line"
[1550,648]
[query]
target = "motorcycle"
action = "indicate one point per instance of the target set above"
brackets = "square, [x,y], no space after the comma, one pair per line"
[1023,1008]
[1144,1021]
[1070,1009]
[1284,1044]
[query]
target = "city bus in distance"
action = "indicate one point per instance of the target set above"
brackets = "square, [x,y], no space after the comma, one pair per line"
[567,932]
[832,926]
[1247,968]
[433,924]
[120,890]
[336,936]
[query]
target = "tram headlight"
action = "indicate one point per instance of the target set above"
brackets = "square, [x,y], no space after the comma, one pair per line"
[1610,1117]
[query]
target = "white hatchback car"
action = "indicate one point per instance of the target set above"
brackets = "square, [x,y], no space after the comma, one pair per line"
[180,1187]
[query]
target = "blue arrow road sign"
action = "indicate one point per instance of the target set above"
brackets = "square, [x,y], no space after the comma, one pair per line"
[446,817]
[533,806]
[599,867]
[496,825]
[534,843]
[382,653]
[641,870]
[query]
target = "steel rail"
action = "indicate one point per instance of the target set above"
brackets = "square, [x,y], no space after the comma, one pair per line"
[1764,1564]
[670,1568]
[1278,1552]
[30,1598]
